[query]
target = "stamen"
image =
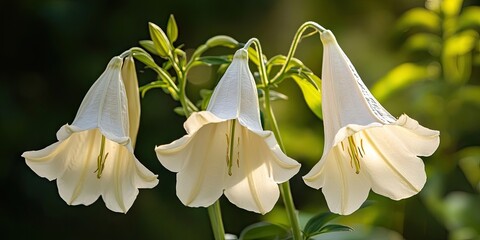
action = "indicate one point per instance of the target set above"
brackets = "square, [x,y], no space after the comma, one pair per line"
[230,145]
[101,159]
[238,152]
[354,151]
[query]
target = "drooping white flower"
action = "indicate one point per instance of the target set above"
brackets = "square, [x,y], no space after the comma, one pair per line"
[94,155]
[226,149]
[365,146]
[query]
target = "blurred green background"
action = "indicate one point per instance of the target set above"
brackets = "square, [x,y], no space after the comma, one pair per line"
[423,61]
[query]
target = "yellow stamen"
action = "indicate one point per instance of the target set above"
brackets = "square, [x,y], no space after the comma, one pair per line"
[354,151]
[101,159]
[230,144]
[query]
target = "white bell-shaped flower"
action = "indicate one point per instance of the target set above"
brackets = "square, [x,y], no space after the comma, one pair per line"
[365,146]
[226,149]
[94,155]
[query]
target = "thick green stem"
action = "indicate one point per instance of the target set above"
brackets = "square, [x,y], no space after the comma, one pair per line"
[216,222]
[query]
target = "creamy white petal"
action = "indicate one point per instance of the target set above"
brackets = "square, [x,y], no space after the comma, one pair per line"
[251,185]
[105,105]
[201,180]
[48,162]
[344,190]
[235,96]
[130,81]
[122,178]
[345,98]
[418,139]
[79,184]
[395,170]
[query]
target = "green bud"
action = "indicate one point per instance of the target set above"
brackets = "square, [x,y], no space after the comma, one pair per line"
[160,40]
[172,29]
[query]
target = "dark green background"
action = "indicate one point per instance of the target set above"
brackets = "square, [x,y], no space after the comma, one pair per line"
[53,50]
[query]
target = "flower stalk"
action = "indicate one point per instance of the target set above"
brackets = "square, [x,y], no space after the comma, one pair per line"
[285,190]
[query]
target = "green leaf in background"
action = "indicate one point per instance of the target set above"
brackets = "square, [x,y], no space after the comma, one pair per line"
[172,29]
[461,43]
[310,85]
[160,40]
[419,18]
[264,231]
[142,56]
[205,95]
[149,46]
[222,40]
[424,42]
[317,222]
[402,76]
[451,8]
[318,225]
[215,60]
[470,18]
[470,164]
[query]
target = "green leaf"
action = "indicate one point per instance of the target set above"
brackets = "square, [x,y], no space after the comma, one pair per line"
[461,43]
[451,8]
[205,95]
[426,42]
[149,46]
[215,60]
[157,84]
[470,164]
[310,85]
[402,76]
[470,18]
[179,111]
[160,40]
[419,18]
[264,231]
[172,29]
[142,56]
[222,40]
[316,223]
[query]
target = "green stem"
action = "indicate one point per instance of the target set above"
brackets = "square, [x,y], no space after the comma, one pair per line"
[216,222]
[284,187]
[293,47]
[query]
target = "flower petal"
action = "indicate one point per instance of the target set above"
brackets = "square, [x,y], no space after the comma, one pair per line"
[344,190]
[201,180]
[129,77]
[395,171]
[79,184]
[418,139]
[120,179]
[49,162]
[105,105]
[251,185]
[235,96]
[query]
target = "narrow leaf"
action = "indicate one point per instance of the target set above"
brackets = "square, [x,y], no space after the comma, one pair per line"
[419,18]
[264,230]
[215,60]
[149,46]
[400,77]
[310,85]
[222,40]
